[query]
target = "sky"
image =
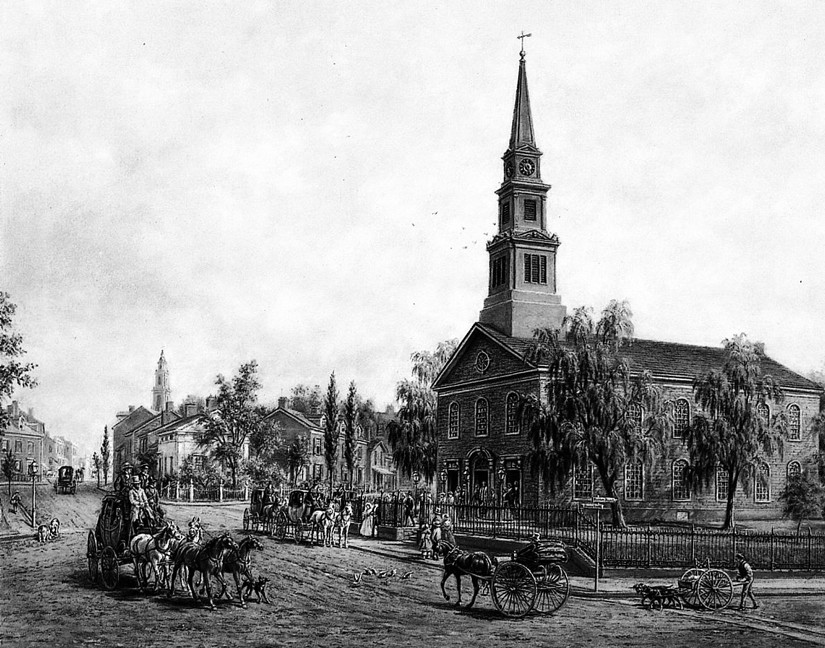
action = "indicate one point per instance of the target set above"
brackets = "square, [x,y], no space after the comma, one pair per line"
[310,185]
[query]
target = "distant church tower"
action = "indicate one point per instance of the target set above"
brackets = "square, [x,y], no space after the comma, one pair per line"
[522,287]
[161,392]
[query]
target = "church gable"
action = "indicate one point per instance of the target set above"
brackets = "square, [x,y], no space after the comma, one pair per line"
[481,356]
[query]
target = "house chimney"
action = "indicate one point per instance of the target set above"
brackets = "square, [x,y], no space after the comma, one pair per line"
[211,403]
[283,401]
[190,409]
[14,409]
[170,406]
[131,408]
[31,412]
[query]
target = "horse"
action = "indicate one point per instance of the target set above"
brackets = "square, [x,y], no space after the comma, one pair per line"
[476,564]
[151,549]
[239,564]
[207,559]
[341,524]
[195,533]
[322,522]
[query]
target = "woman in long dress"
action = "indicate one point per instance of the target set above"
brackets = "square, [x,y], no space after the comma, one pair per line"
[367,520]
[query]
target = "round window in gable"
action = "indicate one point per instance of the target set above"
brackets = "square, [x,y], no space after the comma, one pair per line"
[482,362]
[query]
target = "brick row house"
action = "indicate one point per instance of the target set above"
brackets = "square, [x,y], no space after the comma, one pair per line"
[480,442]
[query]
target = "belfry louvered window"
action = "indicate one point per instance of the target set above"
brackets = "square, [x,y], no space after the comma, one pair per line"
[535,268]
[530,210]
[505,213]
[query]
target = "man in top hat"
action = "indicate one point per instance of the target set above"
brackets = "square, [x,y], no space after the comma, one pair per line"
[144,476]
[124,479]
[746,577]
[139,504]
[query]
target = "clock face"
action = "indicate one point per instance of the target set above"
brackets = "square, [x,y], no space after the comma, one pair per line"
[527,167]
[509,170]
[482,362]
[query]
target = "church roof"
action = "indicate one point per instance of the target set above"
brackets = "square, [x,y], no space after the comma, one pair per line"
[673,359]
[521,133]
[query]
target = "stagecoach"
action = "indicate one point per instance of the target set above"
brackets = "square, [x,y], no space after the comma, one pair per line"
[107,545]
[533,580]
[256,514]
[293,517]
[66,481]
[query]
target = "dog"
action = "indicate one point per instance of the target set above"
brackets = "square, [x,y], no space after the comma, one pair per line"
[659,596]
[42,534]
[258,586]
[54,528]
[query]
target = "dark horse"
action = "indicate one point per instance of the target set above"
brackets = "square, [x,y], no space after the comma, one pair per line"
[206,559]
[239,564]
[477,565]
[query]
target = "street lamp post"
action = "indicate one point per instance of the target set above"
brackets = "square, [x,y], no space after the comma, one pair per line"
[33,475]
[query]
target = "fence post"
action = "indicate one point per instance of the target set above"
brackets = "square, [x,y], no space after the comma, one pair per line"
[692,543]
[220,492]
[245,492]
[647,551]
[772,561]
[191,492]
[809,549]
[177,490]
[733,540]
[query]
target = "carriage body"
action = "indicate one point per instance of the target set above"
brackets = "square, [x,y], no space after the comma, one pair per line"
[107,545]
[66,480]
[292,518]
[533,580]
[253,516]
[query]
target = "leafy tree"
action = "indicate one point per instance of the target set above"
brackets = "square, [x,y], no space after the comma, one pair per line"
[13,373]
[306,399]
[235,418]
[148,457]
[261,471]
[412,436]
[595,411]
[297,457]
[331,406]
[201,475]
[350,422]
[105,455]
[9,459]
[802,498]
[367,418]
[729,433]
[97,462]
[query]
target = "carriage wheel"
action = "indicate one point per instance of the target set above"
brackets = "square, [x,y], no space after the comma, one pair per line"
[246,520]
[715,590]
[552,590]
[108,568]
[279,529]
[692,576]
[91,557]
[513,589]
[299,533]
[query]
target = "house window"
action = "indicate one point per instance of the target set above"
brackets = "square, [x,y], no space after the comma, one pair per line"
[583,482]
[634,481]
[30,447]
[505,213]
[530,210]
[18,445]
[721,484]
[794,429]
[762,487]
[681,486]
[681,418]
[4,444]
[535,268]
[794,470]
[498,274]
[511,423]
[634,413]
[452,431]
[481,417]
[764,412]
[197,462]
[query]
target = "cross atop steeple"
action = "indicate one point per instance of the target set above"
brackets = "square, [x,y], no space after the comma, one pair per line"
[522,37]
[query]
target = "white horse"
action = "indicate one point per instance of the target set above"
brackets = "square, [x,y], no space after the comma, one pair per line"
[341,525]
[152,550]
[322,522]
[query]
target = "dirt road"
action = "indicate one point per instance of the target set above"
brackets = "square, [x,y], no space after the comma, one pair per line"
[46,599]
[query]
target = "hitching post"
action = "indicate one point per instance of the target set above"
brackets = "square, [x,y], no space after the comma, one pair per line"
[597,506]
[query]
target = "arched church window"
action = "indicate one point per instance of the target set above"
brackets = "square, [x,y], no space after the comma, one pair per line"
[481,417]
[452,425]
[721,484]
[764,412]
[511,425]
[681,418]
[681,485]
[762,487]
[794,428]
[583,481]
[634,481]
[794,470]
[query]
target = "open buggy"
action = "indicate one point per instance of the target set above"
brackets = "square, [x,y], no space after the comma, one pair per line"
[66,481]
[107,545]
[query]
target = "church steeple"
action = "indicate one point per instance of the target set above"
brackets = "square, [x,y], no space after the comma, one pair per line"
[161,391]
[522,288]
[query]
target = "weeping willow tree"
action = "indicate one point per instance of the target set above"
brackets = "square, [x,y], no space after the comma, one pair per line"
[593,411]
[413,436]
[732,433]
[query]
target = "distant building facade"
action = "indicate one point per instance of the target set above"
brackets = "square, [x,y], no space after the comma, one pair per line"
[26,437]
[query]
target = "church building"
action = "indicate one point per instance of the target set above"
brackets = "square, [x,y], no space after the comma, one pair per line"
[480,443]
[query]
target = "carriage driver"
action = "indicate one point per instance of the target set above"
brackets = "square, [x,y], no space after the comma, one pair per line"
[141,512]
[124,479]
